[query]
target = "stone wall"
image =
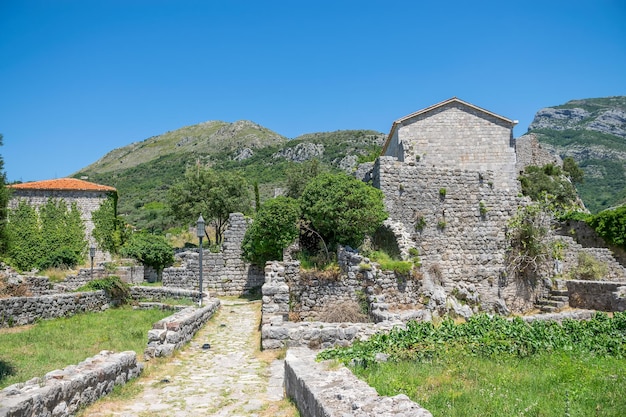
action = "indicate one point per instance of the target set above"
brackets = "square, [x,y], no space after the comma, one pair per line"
[457,220]
[597,295]
[18,311]
[530,152]
[456,136]
[587,237]
[174,331]
[62,393]
[223,273]
[318,390]
[160,293]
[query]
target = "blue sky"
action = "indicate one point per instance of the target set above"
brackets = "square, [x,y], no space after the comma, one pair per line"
[81,78]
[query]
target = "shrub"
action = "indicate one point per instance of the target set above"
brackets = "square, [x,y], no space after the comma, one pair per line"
[342,209]
[273,229]
[589,268]
[112,285]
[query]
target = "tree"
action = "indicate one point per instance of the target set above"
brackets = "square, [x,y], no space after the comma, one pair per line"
[213,194]
[4,201]
[24,237]
[151,250]
[273,229]
[549,182]
[109,230]
[52,237]
[299,175]
[342,209]
[62,235]
[575,174]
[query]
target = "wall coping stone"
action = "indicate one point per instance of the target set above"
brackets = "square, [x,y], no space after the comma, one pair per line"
[320,391]
[62,392]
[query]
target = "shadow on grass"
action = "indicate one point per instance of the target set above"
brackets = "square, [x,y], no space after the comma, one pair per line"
[6,370]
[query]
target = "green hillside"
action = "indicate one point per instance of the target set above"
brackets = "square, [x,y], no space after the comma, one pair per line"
[593,132]
[143,172]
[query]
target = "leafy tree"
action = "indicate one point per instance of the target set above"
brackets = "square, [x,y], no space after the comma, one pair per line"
[109,230]
[342,209]
[548,182]
[213,194]
[4,201]
[24,236]
[274,228]
[62,235]
[575,174]
[52,237]
[299,175]
[151,250]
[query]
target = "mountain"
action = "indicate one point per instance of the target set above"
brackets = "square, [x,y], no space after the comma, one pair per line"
[593,132]
[143,171]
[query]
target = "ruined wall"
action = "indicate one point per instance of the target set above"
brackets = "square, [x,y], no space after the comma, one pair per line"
[223,273]
[530,152]
[457,220]
[597,295]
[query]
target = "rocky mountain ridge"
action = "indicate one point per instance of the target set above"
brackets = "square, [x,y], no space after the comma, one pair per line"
[593,132]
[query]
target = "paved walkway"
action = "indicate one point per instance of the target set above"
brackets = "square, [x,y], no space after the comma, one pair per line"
[228,379]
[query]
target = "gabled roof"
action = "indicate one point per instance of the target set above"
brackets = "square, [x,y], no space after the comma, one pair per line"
[400,121]
[62,184]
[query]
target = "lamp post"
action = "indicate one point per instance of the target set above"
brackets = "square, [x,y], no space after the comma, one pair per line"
[200,234]
[92,254]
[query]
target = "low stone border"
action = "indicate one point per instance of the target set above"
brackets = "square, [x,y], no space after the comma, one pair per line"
[278,334]
[320,391]
[18,311]
[159,293]
[173,331]
[62,392]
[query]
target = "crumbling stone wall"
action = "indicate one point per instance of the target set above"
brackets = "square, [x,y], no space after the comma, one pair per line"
[61,393]
[223,273]
[457,220]
[597,295]
[530,152]
[18,311]
[174,331]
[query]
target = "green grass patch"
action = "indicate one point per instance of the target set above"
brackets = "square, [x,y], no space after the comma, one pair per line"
[55,344]
[549,384]
[498,367]
[387,263]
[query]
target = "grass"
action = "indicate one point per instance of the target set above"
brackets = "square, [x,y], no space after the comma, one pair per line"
[33,351]
[555,384]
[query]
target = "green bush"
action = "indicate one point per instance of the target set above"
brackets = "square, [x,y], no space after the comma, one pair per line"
[151,250]
[588,268]
[342,209]
[273,229]
[112,285]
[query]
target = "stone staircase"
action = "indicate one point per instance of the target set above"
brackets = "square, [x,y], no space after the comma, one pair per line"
[557,299]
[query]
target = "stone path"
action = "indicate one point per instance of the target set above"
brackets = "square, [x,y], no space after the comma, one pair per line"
[228,379]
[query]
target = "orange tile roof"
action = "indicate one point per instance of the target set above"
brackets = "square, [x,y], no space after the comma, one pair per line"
[62,184]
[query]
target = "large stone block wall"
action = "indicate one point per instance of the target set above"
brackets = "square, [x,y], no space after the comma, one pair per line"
[173,332]
[456,136]
[586,236]
[223,273]
[460,235]
[318,390]
[597,295]
[62,393]
[17,311]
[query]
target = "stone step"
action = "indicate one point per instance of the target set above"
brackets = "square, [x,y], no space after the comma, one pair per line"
[563,293]
[548,309]
[562,298]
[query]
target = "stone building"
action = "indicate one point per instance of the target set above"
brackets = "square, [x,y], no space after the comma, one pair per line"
[88,197]
[448,174]
[455,134]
